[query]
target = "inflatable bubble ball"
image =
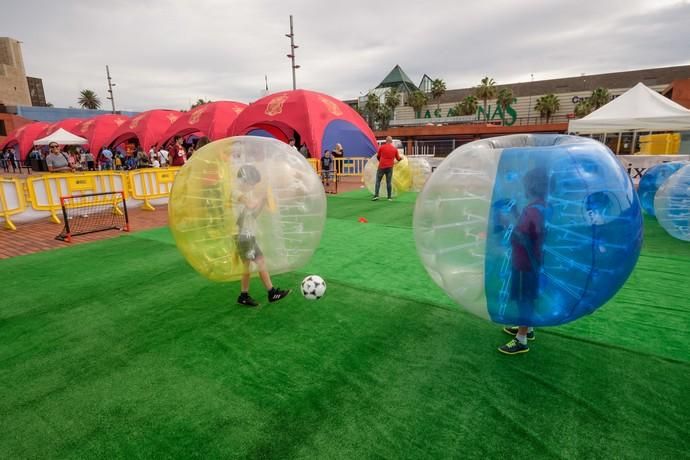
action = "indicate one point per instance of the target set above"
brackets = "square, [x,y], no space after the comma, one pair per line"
[245,202]
[652,179]
[530,230]
[672,204]
[402,178]
[420,170]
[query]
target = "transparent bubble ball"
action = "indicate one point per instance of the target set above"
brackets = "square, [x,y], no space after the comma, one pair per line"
[532,230]
[244,200]
[420,170]
[652,179]
[402,177]
[672,204]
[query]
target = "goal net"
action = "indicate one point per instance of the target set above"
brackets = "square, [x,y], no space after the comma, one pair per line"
[93,212]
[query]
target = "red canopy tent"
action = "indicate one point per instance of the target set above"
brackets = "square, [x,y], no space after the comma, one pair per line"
[24,137]
[98,130]
[147,127]
[68,124]
[212,119]
[321,121]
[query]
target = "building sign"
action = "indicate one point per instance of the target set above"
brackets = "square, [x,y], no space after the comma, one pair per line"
[577,99]
[508,116]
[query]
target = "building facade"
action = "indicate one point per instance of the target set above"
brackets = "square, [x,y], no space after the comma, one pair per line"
[14,88]
[437,124]
[38,97]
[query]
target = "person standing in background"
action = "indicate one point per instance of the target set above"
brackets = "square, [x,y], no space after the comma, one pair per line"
[387,155]
[178,156]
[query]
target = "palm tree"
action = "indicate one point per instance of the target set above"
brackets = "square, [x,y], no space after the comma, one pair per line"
[371,108]
[88,100]
[504,98]
[199,102]
[600,96]
[438,88]
[547,105]
[392,99]
[383,116]
[417,101]
[485,91]
[582,108]
[468,106]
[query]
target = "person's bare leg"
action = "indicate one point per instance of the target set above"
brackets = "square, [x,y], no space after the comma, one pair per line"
[244,283]
[263,274]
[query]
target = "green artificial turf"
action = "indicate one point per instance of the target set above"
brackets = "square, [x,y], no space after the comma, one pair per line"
[119,349]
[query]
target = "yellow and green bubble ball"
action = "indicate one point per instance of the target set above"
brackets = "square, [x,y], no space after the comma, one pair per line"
[402,176]
[204,208]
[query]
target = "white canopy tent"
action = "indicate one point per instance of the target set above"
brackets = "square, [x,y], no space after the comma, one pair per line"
[61,137]
[638,109]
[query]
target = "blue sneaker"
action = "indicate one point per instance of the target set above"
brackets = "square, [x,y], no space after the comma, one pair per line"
[513,347]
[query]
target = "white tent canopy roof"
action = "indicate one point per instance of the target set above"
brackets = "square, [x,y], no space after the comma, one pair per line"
[61,137]
[638,109]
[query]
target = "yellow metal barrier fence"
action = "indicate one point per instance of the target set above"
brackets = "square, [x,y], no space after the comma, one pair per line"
[147,184]
[11,200]
[45,191]
[353,166]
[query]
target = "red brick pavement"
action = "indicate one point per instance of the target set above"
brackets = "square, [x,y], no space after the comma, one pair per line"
[40,235]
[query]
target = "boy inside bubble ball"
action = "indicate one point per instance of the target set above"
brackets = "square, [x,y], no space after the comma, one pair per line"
[249,202]
[527,240]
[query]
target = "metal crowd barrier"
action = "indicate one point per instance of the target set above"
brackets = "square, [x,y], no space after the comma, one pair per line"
[45,191]
[148,184]
[11,200]
[352,166]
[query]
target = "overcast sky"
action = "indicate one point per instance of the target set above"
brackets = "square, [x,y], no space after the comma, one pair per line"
[168,54]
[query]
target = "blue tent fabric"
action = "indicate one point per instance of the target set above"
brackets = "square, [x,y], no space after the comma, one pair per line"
[260,133]
[354,141]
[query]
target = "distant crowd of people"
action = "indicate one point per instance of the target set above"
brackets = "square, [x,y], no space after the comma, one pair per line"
[9,158]
[75,158]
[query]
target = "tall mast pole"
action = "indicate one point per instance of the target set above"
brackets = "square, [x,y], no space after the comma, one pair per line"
[293,47]
[110,88]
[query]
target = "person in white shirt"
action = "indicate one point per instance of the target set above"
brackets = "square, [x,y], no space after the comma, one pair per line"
[163,155]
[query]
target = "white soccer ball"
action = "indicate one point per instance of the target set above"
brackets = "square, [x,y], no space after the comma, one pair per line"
[313,287]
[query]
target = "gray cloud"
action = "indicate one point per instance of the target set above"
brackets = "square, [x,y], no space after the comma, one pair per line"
[167,54]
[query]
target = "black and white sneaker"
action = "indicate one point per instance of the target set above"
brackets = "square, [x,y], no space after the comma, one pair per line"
[514,330]
[246,300]
[375,198]
[275,294]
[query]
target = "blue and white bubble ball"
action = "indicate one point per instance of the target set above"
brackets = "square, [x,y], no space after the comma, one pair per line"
[654,178]
[471,219]
[672,204]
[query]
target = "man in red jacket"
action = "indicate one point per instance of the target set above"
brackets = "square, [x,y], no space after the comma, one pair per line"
[386,155]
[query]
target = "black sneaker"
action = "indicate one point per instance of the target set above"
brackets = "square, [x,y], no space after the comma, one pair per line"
[246,299]
[375,198]
[514,330]
[513,347]
[275,294]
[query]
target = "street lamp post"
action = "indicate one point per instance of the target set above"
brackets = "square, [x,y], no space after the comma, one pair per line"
[110,88]
[529,104]
[293,47]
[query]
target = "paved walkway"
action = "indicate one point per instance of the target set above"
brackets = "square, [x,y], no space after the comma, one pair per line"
[39,235]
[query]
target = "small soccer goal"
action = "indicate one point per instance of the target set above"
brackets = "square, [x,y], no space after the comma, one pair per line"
[93,212]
